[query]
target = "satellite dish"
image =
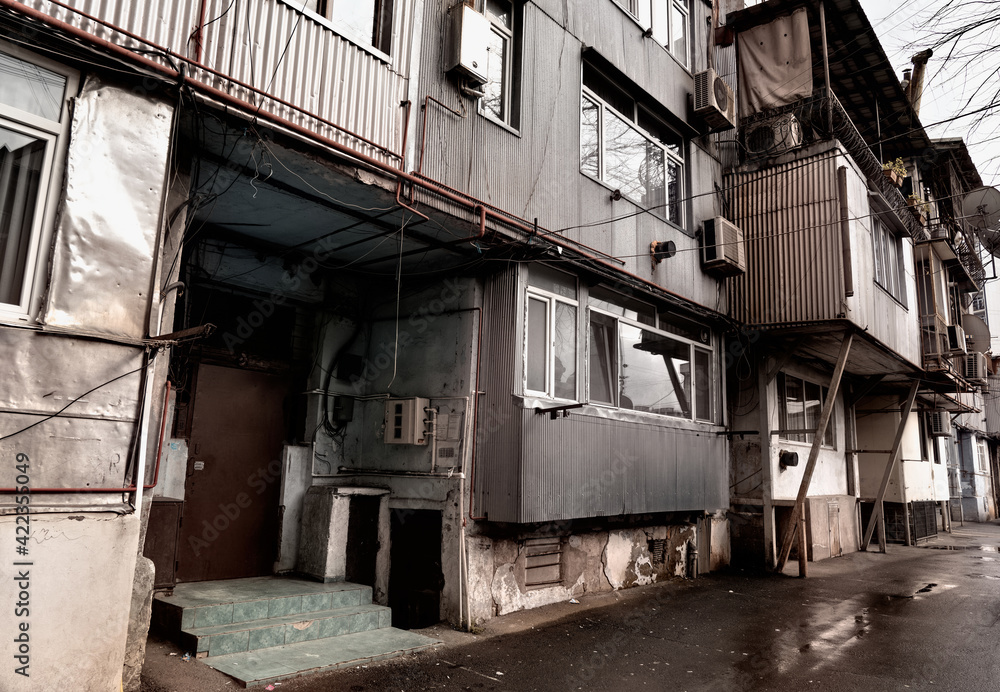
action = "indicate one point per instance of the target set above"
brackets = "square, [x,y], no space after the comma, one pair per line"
[981,207]
[990,240]
[978,331]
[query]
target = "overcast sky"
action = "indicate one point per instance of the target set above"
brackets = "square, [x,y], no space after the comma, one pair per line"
[904,27]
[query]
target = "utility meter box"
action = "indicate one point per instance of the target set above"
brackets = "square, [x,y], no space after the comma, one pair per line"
[405,421]
[470,38]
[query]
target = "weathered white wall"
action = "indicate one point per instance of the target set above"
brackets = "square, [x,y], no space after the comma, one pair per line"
[592,562]
[830,476]
[877,431]
[80,586]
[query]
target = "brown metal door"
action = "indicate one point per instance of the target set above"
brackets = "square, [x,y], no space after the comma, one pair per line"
[231,494]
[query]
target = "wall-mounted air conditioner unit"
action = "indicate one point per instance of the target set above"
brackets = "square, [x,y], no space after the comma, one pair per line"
[939,423]
[974,368]
[722,248]
[956,339]
[773,136]
[714,101]
[405,421]
[470,39]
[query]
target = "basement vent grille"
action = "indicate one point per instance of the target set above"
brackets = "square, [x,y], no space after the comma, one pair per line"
[658,550]
[446,452]
[543,562]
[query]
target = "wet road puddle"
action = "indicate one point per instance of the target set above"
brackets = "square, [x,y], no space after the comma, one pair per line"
[980,548]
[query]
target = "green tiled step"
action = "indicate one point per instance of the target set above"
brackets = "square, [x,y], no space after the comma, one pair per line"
[218,640]
[254,668]
[207,604]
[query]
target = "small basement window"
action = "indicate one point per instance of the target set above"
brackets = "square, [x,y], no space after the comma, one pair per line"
[543,562]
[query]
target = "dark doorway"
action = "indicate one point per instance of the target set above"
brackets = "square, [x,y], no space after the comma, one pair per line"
[231,495]
[362,539]
[415,577]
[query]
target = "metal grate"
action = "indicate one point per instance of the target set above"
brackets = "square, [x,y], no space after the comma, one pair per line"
[543,562]
[658,550]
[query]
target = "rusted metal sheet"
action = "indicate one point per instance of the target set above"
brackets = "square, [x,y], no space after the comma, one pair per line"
[103,253]
[789,214]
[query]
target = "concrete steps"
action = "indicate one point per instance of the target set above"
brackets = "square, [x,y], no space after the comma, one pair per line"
[264,629]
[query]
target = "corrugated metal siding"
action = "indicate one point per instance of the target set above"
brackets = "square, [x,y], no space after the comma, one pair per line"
[790,220]
[584,466]
[320,72]
[498,439]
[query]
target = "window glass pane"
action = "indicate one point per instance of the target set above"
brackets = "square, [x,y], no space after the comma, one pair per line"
[355,19]
[795,408]
[21,158]
[813,406]
[678,33]
[552,280]
[494,102]
[673,194]
[31,88]
[499,11]
[608,91]
[537,355]
[620,305]
[630,164]
[564,365]
[603,367]
[656,373]
[590,138]
[703,384]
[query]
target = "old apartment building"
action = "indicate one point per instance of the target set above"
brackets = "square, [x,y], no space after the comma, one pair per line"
[337,319]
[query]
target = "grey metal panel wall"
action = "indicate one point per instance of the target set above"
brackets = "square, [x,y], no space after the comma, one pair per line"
[498,438]
[319,71]
[535,171]
[585,466]
[790,219]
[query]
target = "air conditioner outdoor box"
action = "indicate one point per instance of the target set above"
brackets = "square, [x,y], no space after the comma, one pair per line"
[956,339]
[773,136]
[714,101]
[470,40]
[405,421]
[974,368]
[722,248]
[939,423]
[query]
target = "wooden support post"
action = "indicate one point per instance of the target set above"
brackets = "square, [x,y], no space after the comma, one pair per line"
[878,515]
[770,550]
[807,474]
[803,549]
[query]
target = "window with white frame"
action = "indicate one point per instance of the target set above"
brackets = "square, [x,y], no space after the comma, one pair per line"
[888,249]
[365,22]
[800,403]
[984,456]
[551,334]
[32,110]
[625,145]
[644,361]
[499,92]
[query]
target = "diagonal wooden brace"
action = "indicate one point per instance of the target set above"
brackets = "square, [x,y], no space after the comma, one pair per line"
[877,510]
[824,420]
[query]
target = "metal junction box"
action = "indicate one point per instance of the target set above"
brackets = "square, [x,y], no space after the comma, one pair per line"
[470,38]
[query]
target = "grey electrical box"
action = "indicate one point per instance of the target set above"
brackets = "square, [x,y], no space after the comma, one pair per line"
[470,40]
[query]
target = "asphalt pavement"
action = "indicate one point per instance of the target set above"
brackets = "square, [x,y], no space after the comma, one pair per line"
[915,618]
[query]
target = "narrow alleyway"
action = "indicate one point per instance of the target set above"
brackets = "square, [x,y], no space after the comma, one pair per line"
[917,618]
